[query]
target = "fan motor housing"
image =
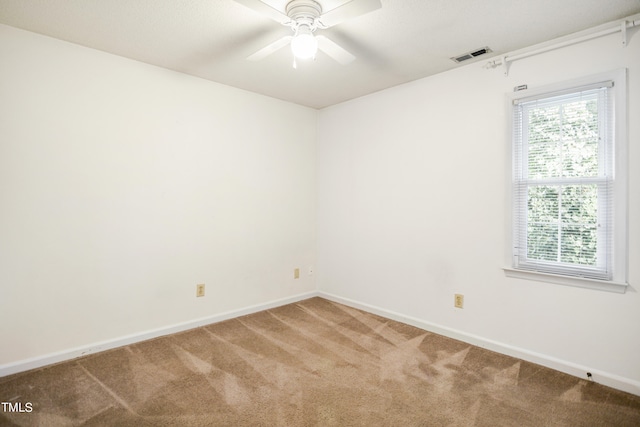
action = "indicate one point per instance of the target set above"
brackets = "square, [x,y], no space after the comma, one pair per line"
[303,10]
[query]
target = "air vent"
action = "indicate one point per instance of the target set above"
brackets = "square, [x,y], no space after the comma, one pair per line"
[471,55]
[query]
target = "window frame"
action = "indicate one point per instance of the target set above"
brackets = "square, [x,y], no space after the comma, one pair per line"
[618,281]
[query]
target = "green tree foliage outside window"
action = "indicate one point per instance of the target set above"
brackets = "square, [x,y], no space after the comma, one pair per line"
[562,219]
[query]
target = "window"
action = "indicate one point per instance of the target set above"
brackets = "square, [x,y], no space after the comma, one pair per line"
[568,187]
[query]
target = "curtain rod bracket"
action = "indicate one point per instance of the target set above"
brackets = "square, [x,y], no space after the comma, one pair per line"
[623,27]
[505,66]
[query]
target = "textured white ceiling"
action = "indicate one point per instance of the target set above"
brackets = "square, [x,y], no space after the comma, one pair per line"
[403,41]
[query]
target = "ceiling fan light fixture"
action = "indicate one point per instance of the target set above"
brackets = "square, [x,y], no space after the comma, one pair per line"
[304,45]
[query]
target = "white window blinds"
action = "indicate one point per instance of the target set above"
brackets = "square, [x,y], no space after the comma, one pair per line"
[563,182]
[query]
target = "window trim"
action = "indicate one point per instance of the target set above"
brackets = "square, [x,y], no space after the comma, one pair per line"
[580,282]
[618,283]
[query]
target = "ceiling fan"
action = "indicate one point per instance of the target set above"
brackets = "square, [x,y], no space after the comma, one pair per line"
[304,17]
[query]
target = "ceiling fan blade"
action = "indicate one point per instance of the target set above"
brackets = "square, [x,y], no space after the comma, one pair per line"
[334,50]
[265,9]
[269,49]
[348,10]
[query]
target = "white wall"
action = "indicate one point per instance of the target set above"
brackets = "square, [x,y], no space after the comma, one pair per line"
[412,204]
[123,185]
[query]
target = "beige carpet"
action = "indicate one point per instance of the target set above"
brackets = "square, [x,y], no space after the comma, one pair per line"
[313,363]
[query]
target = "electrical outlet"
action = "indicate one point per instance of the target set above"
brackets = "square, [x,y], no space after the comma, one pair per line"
[458,301]
[200,290]
[296,273]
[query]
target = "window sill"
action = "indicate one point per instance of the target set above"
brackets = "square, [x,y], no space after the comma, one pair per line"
[580,282]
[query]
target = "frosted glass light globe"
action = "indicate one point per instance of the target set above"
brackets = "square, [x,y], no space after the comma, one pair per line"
[304,45]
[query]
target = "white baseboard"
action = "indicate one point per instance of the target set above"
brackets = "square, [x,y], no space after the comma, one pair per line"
[604,378]
[49,359]
[570,368]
